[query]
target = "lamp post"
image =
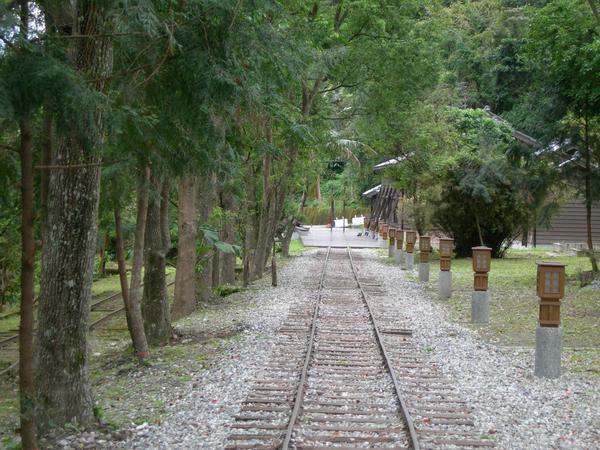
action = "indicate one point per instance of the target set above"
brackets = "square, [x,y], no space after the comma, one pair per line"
[445,281]
[480,300]
[399,242]
[550,289]
[411,238]
[424,249]
[392,243]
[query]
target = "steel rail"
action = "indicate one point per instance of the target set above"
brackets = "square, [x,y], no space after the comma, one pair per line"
[298,399]
[116,311]
[404,409]
[14,337]
[91,326]
[9,368]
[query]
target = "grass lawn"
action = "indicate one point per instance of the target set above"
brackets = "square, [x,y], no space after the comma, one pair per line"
[105,339]
[514,304]
[296,247]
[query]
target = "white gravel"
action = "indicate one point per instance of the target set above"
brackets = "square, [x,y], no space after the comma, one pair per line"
[519,410]
[522,411]
[201,417]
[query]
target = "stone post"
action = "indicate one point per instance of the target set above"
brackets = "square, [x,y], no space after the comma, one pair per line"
[445,280]
[480,300]
[411,238]
[392,242]
[548,335]
[424,249]
[399,242]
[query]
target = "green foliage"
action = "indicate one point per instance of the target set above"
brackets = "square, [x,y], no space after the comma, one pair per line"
[10,239]
[227,289]
[564,42]
[483,194]
[211,239]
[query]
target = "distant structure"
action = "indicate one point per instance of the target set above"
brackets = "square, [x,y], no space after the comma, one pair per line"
[384,198]
[567,225]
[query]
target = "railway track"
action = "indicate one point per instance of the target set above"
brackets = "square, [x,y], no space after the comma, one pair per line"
[344,374]
[101,310]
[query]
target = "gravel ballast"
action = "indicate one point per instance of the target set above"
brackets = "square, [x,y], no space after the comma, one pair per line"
[520,410]
[515,409]
[201,418]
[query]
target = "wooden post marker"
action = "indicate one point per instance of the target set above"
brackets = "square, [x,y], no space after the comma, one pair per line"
[424,250]
[411,238]
[383,234]
[550,289]
[392,243]
[446,249]
[480,300]
[399,236]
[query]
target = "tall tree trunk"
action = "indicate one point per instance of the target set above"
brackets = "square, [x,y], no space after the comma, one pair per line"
[251,225]
[26,326]
[26,386]
[120,247]
[185,277]
[273,268]
[105,243]
[164,214]
[228,259]
[204,277]
[155,305]
[287,237]
[588,198]
[46,161]
[265,237]
[63,388]
[262,249]
[290,227]
[138,334]
[275,199]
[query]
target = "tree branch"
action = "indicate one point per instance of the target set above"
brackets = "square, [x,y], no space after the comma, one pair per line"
[594,10]
[339,86]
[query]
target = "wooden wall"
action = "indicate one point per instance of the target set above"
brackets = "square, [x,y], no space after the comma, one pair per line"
[568,225]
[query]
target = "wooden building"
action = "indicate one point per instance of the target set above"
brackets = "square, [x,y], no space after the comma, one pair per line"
[568,225]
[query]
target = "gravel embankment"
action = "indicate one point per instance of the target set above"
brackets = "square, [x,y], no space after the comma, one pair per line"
[517,409]
[522,411]
[208,404]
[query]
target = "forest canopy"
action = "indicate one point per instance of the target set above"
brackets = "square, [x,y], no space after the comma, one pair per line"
[197,134]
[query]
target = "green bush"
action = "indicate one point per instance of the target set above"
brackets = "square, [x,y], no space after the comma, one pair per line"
[320,215]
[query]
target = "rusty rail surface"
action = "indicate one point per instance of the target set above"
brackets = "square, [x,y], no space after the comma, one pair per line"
[407,417]
[301,385]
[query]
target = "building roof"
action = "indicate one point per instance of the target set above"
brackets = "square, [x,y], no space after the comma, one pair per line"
[521,137]
[390,162]
[372,192]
